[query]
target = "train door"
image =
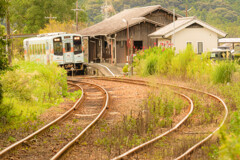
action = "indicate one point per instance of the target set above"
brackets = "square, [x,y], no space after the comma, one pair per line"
[78,50]
[57,50]
[68,50]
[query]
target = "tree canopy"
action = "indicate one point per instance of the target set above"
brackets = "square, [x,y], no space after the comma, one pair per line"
[29,16]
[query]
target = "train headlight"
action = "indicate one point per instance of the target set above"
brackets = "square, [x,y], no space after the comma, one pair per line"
[76,38]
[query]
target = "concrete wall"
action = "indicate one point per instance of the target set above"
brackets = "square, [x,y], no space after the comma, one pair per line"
[195,35]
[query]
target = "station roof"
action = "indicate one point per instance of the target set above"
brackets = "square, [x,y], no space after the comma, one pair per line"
[229,40]
[115,23]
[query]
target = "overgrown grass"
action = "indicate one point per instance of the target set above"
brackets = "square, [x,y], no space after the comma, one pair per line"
[186,64]
[29,89]
[223,75]
[157,112]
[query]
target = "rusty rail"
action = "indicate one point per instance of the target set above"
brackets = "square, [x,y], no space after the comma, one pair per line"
[46,126]
[208,137]
[66,147]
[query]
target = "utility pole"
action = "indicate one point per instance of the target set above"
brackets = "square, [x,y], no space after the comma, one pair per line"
[50,18]
[128,40]
[173,37]
[76,16]
[77,9]
[186,8]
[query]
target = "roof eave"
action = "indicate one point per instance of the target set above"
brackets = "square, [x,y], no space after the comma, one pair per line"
[133,24]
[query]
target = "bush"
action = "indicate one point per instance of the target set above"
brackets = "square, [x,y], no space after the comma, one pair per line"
[30,88]
[223,72]
[125,69]
[153,61]
[181,61]
[1,92]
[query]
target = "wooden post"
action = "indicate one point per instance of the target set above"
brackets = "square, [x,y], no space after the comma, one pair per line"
[111,51]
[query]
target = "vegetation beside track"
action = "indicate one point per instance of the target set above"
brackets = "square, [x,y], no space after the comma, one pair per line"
[157,113]
[188,66]
[28,89]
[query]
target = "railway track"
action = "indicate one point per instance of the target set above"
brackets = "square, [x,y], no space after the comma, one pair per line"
[197,143]
[81,115]
[52,140]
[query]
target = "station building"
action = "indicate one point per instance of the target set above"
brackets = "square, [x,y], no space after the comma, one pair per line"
[107,41]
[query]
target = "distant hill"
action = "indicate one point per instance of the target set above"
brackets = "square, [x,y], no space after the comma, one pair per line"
[223,14]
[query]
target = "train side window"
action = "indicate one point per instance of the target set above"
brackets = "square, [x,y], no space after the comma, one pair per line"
[41,49]
[33,49]
[44,49]
[67,47]
[29,50]
[36,49]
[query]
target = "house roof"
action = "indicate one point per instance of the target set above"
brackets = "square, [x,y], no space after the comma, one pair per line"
[115,23]
[229,40]
[182,23]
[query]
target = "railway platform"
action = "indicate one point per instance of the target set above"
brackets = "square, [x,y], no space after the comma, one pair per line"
[107,70]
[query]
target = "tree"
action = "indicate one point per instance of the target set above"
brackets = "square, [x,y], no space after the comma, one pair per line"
[28,16]
[3,6]
[3,58]
[56,26]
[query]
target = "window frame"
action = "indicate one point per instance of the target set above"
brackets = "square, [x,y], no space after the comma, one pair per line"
[198,47]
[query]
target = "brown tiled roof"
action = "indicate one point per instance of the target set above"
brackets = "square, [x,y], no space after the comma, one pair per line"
[115,23]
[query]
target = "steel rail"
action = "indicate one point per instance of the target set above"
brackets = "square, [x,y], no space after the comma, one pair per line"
[46,126]
[66,147]
[186,88]
[208,137]
[160,136]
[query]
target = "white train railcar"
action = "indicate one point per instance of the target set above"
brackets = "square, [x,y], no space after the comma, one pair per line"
[62,48]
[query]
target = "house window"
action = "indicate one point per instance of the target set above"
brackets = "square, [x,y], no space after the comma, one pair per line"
[138,45]
[200,47]
[189,43]
[122,44]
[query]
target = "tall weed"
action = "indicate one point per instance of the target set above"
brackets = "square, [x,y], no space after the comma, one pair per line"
[158,111]
[181,61]
[222,73]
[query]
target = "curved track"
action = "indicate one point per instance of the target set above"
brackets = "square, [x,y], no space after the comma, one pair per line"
[141,82]
[84,100]
[66,147]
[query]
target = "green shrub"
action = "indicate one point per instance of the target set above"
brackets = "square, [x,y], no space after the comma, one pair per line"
[153,61]
[150,65]
[222,73]
[30,88]
[1,93]
[125,69]
[181,61]
[6,114]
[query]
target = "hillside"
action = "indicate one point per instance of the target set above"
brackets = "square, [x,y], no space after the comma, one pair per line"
[223,14]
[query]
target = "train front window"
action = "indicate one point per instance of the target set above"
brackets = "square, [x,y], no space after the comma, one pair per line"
[58,46]
[77,44]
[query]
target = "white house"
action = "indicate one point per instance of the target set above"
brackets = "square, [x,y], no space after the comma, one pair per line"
[189,30]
